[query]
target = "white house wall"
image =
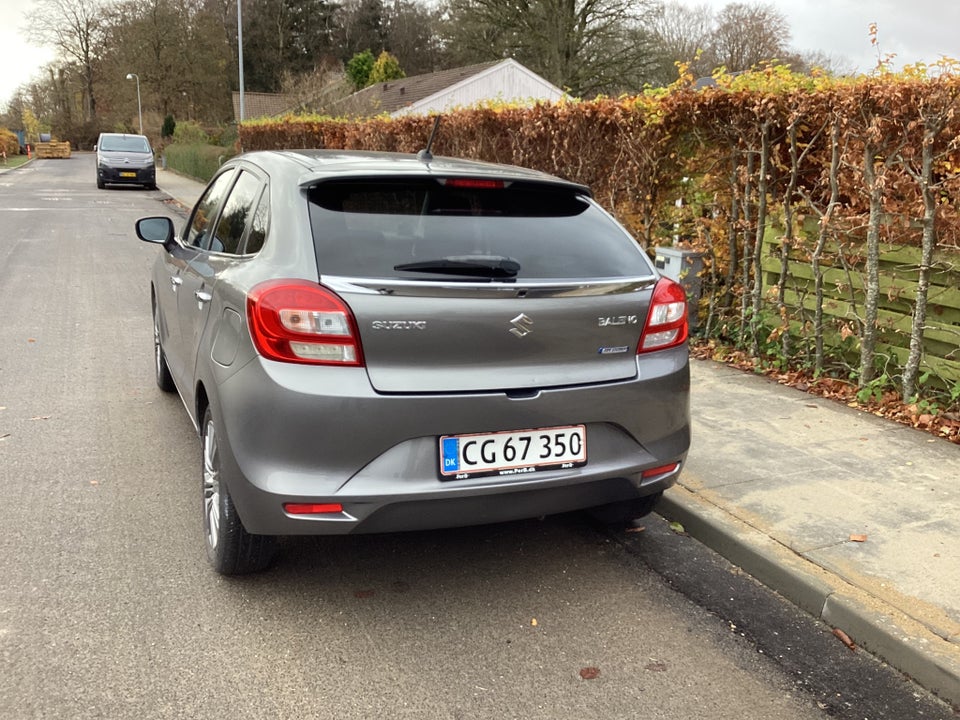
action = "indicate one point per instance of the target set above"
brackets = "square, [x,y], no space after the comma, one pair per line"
[506,82]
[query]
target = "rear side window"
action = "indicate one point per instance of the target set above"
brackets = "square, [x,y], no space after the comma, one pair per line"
[199,230]
[396,228]
[258,225]
[237,212]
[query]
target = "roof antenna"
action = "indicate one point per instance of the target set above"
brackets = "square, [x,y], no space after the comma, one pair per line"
[425,155]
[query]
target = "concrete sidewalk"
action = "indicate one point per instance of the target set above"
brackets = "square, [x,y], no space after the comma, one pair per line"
[854,518]
[184,190]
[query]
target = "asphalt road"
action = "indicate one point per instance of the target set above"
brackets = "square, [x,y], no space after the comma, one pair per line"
[109,610]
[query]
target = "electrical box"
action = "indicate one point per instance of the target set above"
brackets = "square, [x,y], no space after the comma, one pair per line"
[685,267]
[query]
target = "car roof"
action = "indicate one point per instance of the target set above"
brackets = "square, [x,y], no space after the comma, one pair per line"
[316,166]
[109,134]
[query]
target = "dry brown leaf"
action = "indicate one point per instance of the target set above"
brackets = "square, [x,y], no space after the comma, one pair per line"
[845,639]
[858,538]
[589,673]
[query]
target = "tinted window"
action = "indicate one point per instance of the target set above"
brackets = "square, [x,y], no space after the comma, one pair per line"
[368,228]
[258,225]
[237,211]
[198,231]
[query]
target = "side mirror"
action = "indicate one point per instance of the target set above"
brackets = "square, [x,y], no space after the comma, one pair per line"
[155,230]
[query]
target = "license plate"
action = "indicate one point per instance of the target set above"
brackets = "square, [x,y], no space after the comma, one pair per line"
[515,452]
[128,174]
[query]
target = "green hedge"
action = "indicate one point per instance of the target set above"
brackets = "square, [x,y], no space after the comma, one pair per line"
[197,161]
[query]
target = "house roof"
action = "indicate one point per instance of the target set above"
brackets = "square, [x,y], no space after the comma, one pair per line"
[390,96]
[257,104]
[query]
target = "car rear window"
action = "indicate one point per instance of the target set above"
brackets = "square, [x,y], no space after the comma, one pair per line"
[394,228]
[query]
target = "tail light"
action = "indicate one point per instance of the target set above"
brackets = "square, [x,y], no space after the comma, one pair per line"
[302,322]
[667,324]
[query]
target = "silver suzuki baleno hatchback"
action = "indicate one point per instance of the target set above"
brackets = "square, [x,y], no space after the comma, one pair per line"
[372,342]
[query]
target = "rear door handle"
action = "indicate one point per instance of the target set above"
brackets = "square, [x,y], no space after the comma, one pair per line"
[175,283]
[202,296]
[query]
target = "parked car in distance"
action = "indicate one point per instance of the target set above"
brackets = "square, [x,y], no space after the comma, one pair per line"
[373,342]
[125,160]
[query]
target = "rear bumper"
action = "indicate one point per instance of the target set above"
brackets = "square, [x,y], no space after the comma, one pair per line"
[288,438]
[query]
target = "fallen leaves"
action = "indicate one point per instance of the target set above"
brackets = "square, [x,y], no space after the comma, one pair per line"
[858,538]
[677,528]
[589,673]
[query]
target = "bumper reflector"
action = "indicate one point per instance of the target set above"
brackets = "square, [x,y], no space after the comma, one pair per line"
[662,470]
[313,508]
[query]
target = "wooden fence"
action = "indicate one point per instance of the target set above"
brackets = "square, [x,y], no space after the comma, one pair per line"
[842,267]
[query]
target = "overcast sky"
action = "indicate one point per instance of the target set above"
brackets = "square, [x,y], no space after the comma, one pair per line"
[916,30]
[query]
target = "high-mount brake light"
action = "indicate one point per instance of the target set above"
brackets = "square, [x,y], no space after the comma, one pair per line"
[302,322]
[667,324]
[474,183]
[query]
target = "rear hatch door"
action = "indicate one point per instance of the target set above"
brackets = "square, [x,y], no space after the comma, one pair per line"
[477,286]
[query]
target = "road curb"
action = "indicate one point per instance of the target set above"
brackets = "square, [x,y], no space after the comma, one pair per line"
[884,631]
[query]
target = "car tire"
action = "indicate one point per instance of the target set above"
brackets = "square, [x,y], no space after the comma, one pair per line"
[230,548]
[164,378]
[625,512]
[100,184]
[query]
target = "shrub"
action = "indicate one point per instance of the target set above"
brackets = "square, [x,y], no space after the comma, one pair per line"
[9,142]
[188,132]
[169,127]
[196,160]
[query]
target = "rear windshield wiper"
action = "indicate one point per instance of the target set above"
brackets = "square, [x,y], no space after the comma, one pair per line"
[486,266]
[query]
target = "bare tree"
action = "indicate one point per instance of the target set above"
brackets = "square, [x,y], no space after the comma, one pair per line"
[75,28]
[586,46]
[318,90]
[748,34]
[681,33]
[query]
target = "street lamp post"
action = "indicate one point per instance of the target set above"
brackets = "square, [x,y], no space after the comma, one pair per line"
[240,52]
[134,76]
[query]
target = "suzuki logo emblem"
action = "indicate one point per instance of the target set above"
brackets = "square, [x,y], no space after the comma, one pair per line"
[522,325]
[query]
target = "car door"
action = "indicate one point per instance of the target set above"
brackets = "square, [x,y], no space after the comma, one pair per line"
[220,248]
[197,276]
[167,296]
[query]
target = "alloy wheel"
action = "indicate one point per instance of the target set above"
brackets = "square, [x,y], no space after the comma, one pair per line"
[211,485]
